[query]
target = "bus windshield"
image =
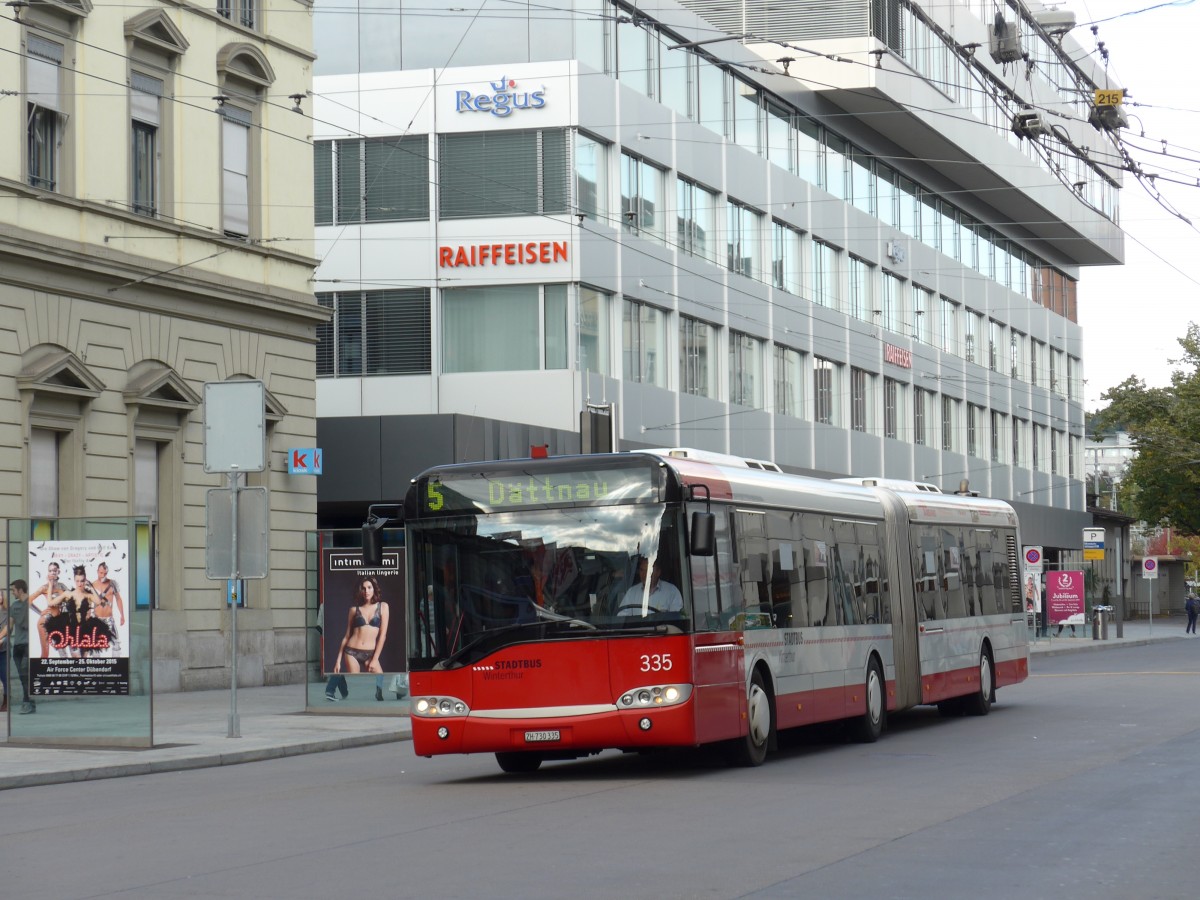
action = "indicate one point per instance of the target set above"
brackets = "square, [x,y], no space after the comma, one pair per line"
[480,582]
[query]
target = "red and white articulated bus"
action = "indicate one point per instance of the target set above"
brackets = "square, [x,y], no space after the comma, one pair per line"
[560,607]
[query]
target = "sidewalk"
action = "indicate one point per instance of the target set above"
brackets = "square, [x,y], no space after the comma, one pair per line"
[1140,631]
[191,732]
[191,729]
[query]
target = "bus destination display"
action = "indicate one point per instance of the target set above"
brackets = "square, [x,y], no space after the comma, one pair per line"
[496,491]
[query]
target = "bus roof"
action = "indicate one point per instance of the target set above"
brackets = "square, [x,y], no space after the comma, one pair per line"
[734,479]
[895,484]
[723,459]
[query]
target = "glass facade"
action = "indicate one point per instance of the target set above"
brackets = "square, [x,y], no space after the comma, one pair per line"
[670,314]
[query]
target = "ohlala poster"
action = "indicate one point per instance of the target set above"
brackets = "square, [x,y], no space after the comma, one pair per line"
[79,617]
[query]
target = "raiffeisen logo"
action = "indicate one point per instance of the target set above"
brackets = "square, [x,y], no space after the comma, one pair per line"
[501,102]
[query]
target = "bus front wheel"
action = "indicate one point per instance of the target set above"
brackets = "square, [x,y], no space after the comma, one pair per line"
[751,750]
[519,763]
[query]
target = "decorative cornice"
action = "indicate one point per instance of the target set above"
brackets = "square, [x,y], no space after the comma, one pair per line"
[155,29]
[155,384]
[51,369]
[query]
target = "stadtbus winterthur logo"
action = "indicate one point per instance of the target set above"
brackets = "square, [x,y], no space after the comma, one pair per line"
[503,99]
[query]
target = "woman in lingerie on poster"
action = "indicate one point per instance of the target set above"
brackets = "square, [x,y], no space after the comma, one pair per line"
[366,630]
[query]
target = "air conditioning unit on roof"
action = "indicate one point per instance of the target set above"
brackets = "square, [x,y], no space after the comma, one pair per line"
[1004,42]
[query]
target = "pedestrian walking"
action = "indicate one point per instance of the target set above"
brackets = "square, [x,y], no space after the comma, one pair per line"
[18,626]
[1193,608]
[337,681]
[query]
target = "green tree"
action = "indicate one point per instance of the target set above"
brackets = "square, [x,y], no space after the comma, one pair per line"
[1163,481]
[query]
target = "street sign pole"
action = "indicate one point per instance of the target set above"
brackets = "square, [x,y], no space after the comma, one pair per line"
[235,728]
[234,442]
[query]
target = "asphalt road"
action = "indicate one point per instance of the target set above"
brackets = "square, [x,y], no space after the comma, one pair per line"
[1081,783]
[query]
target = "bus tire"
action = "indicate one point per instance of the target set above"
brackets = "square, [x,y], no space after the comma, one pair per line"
[869,726]
[980,702]
[751,750]
[519,763]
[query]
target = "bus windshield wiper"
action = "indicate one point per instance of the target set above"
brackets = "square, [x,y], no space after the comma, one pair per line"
[552,616]
[544,617]
[485,637]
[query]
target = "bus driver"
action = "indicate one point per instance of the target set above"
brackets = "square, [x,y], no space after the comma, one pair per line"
[664,596]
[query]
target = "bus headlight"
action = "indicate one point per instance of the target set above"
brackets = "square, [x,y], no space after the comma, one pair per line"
[438,707]
[654,695]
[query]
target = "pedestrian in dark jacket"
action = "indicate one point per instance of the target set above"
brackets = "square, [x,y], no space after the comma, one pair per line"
[1193,608]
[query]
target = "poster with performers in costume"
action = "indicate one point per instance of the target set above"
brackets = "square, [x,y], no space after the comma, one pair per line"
[363,614]
[78,617]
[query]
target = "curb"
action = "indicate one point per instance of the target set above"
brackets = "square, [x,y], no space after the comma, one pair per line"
[1091,645]
[203,761]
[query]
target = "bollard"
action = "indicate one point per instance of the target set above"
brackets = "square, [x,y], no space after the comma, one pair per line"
[1100,622]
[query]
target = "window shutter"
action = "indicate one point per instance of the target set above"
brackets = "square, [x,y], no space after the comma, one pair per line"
[42,66]
[349,181]
[235,193]
[556,172]
[398,332]
[145,478]
[349,334]
[325,336]
[145,98]
[323,182]
[397,179]
[491,174]
[43,473]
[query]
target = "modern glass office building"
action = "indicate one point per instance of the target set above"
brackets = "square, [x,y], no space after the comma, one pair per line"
[844,236]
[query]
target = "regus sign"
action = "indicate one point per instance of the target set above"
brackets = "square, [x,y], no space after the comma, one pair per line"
[503,99]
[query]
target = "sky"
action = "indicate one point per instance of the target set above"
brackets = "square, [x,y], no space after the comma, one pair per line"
[1133,315]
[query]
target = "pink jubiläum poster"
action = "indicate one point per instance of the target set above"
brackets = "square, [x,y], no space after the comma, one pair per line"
[1064,597]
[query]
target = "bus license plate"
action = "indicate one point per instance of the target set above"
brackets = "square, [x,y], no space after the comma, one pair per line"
[535,737]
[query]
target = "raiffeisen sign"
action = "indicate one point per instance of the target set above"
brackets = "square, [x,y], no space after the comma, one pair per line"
[503,100]
[508,254]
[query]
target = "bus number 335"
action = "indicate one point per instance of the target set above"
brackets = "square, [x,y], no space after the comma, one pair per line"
[656,662]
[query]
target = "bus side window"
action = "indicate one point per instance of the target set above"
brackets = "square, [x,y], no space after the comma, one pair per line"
[785,575]
[714,588]
[925,565]
[952,580]
[986,575]
[754,568]
[845,578]
[972,575]
[872,584]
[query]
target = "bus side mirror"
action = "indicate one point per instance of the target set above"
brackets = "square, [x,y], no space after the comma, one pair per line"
[372,542]
[703,533]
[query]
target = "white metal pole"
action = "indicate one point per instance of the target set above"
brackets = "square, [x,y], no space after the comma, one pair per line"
[234,724]
[1149,599]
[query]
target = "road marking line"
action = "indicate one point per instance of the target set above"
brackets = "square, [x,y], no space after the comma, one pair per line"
[1094,674]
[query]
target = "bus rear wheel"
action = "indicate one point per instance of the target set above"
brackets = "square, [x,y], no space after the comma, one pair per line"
[751,750]
[980,702]
[519,763]
[869,726]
